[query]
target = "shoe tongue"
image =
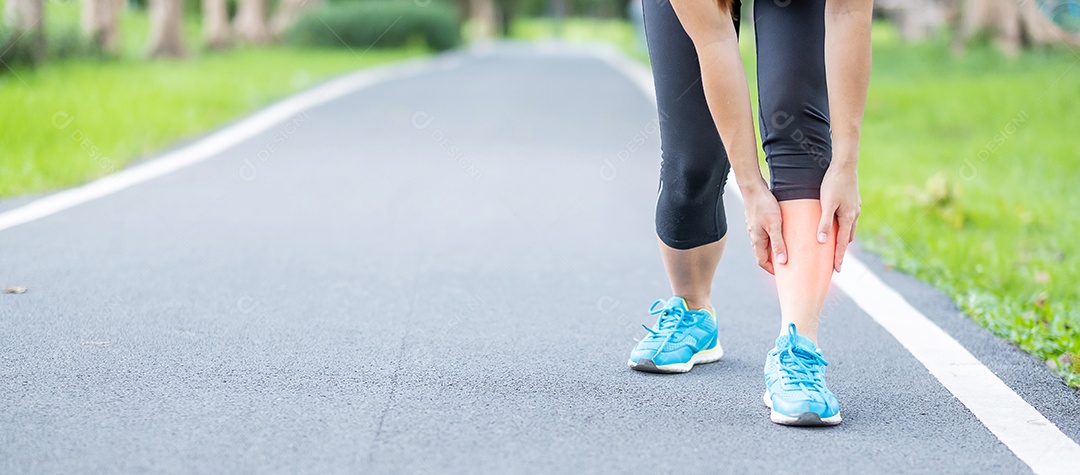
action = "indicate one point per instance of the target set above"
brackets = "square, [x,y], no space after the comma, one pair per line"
[787,341]
[676,301]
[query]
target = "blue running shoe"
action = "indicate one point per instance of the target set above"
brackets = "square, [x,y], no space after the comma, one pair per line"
[680,339]
[795,383]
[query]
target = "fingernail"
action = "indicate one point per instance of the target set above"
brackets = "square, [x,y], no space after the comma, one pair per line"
[822,237]
[781,258]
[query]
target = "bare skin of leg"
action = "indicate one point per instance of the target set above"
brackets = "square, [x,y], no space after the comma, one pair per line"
[691,271]
[803,281]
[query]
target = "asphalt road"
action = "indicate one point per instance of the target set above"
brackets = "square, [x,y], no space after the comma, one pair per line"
[437,274]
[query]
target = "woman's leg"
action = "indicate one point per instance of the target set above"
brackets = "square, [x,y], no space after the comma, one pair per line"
[794,121]
[691,271]
[690,221]
[795,134]
[803,282]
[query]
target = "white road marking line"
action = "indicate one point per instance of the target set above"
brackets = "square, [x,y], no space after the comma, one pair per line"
[1024,430]
[1033,438]
[221,140]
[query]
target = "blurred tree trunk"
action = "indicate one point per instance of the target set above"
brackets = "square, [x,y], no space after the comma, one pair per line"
[26,20]
[250,23]
[482,18]
[288,11]
[1012,25]
[507,14]
[166,35]
[1000,17]
[916,19]
[101,23]
[216,31]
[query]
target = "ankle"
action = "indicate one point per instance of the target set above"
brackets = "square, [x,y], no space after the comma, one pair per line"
[698,303]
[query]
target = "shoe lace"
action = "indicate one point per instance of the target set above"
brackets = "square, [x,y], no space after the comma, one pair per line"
[670,320]
[802,367]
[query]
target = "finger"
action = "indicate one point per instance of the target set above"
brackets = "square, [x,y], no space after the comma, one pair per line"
[841,248]
[854,224]
[776,239]
[761,253]
[763,260]
[828,212]
[842,239]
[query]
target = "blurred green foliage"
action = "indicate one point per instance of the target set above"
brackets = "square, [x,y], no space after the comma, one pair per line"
[62,28]
[16,50]
[382,24]
[583,30]
[575,8]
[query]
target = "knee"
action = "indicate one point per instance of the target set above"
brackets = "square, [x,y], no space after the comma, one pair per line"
[691,181]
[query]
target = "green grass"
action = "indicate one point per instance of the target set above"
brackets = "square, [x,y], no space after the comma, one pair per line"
[969,177]
[128,107]
[582,30]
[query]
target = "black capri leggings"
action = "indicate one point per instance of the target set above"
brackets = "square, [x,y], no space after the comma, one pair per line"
[793,106]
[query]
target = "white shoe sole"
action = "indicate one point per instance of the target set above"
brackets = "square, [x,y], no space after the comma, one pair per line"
[704,356]
[805,419]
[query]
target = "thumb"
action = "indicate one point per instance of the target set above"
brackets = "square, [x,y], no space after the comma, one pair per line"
[825,223]
[776,238]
